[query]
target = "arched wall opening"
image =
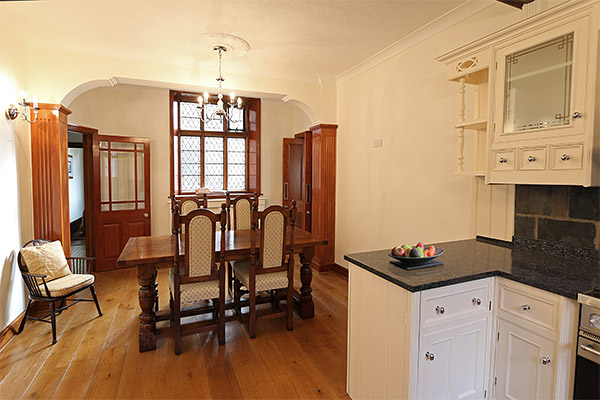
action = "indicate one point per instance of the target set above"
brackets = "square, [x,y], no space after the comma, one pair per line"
[132,109]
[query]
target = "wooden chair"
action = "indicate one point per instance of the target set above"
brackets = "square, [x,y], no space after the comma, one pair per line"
[195,277]
[242,210]
[59,289]
[272,269]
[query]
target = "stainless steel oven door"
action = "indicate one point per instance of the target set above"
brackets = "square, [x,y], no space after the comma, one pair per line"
[589,349]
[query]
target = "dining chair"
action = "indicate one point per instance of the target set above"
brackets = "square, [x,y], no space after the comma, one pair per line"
[195,276]
[48,279]
[241,206]
[270,267]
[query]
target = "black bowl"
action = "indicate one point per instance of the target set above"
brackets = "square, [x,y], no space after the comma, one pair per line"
[417,260]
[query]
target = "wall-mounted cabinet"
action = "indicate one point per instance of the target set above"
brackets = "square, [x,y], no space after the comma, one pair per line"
[543,94]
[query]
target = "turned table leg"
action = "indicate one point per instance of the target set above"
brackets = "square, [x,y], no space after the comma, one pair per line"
[147,298]
[305,305]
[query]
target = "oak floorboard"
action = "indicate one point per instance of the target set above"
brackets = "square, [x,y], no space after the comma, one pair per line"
[98,358]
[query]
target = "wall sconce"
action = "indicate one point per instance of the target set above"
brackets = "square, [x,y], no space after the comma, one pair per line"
[12,112]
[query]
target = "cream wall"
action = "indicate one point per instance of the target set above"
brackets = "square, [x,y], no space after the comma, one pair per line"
[406,191]
[12,80]
[130,110]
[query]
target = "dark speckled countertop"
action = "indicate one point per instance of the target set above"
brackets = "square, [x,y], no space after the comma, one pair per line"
[467,260]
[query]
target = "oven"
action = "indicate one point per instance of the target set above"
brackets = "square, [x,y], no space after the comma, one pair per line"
[587,365]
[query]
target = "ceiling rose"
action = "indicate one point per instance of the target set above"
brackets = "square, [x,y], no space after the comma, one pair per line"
[234,45]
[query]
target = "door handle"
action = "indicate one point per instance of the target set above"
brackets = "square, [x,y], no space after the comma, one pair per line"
[146,215]
[589,348]
[285,191]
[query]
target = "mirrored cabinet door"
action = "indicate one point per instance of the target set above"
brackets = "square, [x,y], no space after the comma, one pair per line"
[540,85]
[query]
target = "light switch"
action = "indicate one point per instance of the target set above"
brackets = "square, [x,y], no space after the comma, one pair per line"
[378,142]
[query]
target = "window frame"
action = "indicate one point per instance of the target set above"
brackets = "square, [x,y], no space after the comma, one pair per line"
[251,131]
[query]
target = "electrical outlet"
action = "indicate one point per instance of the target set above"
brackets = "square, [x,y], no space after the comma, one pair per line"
[378,142]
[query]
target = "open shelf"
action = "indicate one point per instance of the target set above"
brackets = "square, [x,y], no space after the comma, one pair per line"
[479,124]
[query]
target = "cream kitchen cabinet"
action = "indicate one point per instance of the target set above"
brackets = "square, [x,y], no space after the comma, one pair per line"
[535,338]
[542,122]
[542,128]
[524,364]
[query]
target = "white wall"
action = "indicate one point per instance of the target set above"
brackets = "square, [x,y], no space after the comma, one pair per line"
[12,80]
[130,110]
[406,191]
[76,197]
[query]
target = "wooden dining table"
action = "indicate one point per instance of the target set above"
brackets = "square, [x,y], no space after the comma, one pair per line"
[150,253]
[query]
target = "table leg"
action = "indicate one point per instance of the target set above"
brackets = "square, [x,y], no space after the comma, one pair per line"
[147,298]
[305,305]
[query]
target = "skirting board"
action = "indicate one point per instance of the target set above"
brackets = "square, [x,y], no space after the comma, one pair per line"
[338,269]
[10,330]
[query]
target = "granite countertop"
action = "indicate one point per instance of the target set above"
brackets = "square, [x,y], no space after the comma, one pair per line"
[467,260]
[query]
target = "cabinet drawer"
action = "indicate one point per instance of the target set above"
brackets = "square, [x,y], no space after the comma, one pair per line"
[532,159]
[451,301]
[565,157]
[504,160]
[530,304]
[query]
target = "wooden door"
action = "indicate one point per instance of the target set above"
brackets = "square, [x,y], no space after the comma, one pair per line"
[122,194]
[294,180]
[520,371]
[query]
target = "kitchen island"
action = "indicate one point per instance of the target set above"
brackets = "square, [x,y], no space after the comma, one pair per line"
[493,321]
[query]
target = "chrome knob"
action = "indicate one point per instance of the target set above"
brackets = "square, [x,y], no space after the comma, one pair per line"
[577,115]
[525,307]
[476,301]
[546,360]
[595,321]
[440,310]
[531,158]
[502,160]
[565,157]
[429,356]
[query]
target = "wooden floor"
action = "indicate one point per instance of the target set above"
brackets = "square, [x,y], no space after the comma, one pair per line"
[97,357]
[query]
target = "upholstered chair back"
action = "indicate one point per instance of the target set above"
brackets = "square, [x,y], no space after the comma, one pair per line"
[242,213]
[200,244]
[273,231]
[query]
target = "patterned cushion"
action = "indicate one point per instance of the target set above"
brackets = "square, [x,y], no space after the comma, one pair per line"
[67,284]
[273,248]
[269,281]
[201,236]
[47,259]
[242,214]
[187,206]
[194,292]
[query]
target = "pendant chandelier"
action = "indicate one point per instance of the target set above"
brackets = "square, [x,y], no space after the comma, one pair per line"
[219,112]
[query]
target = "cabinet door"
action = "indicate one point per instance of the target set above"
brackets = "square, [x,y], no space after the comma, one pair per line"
[520,371]
[541,84]
[452,360]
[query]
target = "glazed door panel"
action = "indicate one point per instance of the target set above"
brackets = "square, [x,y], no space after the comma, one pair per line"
[122,190]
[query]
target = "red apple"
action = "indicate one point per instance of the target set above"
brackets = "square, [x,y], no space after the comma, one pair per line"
[398,251]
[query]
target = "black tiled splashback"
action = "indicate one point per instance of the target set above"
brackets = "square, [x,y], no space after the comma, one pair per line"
[563,217]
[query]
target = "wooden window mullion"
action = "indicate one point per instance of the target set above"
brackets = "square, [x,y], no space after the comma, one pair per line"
[225,162]
[202,161]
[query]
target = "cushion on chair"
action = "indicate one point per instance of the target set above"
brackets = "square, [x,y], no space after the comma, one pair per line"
[47,259]
[190,293]
[268,281]
[69,283]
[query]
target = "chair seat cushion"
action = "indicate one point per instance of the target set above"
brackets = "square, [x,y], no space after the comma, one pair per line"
[196,292]
[67,284]
[268,281]
[47,259]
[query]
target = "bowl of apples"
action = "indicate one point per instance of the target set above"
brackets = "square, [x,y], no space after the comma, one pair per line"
[417,255]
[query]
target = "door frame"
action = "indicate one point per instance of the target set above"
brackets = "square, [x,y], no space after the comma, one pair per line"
[88,186]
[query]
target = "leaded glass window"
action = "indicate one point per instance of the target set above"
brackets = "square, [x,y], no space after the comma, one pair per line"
[207,153]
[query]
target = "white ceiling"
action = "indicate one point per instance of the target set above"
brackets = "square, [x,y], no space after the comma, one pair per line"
[298,39]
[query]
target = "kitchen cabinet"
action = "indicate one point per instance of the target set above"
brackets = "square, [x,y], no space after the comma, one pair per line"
[540,81]
[524,364]
[453,358]
[535,339]
[485,338]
